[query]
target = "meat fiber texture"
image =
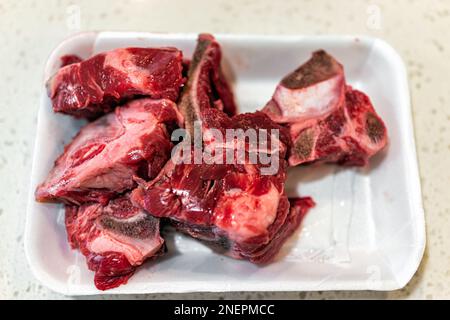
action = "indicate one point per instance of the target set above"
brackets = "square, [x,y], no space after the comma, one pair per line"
[115,239]
[328,120]
[105,156]
[94,86]
[232,205]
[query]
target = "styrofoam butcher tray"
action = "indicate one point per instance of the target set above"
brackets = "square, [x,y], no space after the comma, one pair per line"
[367,231]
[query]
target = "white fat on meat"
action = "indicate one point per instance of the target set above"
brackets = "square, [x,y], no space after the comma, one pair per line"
[243,215]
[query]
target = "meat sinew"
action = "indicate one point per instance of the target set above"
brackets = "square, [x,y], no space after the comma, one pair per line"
[235,206]
[115,239]
[92,87]
[104,157]
[206,86]
[328,121]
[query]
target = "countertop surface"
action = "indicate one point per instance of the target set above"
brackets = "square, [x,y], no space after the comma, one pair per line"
[29,30]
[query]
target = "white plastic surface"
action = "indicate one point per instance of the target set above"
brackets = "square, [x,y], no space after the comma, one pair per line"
[366,232]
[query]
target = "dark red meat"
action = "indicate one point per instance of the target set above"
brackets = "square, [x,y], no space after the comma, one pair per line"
[237,206]
[328,121]
[107,154]
[115,239]
[94,86]
[206,86]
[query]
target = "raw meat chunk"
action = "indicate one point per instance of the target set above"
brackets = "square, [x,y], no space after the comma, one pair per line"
[232,206]
[104,157]
[206,86]
[115,239]
[328,121]
[348,136]
[94,86]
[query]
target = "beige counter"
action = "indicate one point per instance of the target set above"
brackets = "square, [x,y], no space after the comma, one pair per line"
[417,29]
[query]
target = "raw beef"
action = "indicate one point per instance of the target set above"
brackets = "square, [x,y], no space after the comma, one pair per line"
[69,59]
[264,253]
[104,157]
[92,87]
[206,86]
[328,121]
[115,239]
[233,206]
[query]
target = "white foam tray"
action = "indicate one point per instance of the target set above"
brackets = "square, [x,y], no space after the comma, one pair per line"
[367,231]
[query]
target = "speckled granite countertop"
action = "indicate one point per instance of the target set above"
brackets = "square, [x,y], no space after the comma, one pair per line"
[29,30]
